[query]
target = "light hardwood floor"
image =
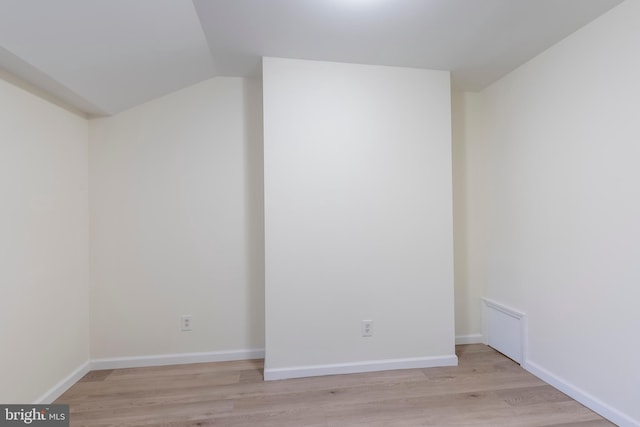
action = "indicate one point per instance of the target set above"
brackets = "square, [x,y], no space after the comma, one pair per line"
[486,389]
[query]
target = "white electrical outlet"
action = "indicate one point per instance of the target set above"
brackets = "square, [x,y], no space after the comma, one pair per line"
[186,321]
[367,328]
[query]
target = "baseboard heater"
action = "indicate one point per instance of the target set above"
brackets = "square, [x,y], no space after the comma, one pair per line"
[504,329]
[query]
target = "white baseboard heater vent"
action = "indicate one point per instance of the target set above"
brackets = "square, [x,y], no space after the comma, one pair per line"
[504,329]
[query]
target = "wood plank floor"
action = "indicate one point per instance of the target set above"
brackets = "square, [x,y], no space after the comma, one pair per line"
[486,389]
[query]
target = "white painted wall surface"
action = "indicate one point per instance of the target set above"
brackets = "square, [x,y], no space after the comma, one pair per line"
[358,213]
[177,223]
[470,202]
[563,132]
[44,317]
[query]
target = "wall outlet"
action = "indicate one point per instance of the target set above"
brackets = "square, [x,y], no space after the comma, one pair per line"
[367,328]
[186,321]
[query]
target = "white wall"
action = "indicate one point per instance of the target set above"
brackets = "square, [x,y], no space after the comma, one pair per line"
[563,133]
[177,223]
[44,318]
[358,214]
[470,202]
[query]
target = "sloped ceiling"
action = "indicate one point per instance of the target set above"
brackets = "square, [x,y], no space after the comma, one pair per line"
[104,56]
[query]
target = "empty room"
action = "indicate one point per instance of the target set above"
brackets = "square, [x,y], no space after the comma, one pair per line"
[320,212]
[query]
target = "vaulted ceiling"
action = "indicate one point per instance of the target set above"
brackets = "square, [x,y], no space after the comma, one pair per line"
[104,56]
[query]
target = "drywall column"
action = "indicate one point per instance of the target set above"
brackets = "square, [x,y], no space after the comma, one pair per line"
[358,217]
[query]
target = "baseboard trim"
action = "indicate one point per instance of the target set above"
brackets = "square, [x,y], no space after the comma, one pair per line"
[591,402]
[176,359]
[469,339]
[358,367]
[63,385]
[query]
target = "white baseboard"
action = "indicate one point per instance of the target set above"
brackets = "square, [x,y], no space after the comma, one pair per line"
[581,396]
[64,384]
[358,367]
[176,359]
[469,339]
